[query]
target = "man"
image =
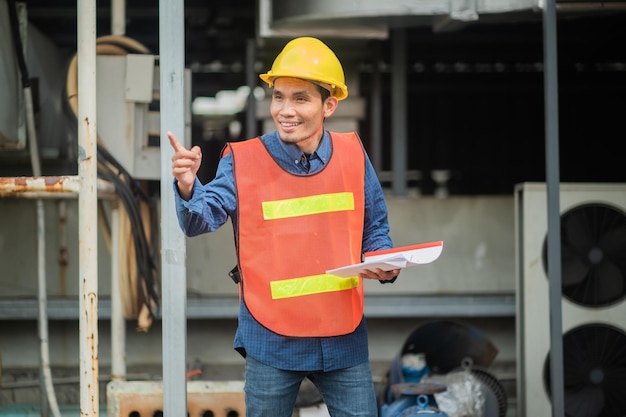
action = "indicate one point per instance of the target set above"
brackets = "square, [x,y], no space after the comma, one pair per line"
[302,200]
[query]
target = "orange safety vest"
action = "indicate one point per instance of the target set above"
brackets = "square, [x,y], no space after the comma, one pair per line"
[291,229]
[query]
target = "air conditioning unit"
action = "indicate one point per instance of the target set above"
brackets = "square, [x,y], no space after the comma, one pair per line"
[593,299]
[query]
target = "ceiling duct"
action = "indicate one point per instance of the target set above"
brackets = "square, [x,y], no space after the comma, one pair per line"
[373,19]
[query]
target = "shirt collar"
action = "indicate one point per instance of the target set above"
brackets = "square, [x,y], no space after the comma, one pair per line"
[323,149]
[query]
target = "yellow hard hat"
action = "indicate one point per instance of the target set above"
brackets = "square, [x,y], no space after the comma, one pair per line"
[309,59]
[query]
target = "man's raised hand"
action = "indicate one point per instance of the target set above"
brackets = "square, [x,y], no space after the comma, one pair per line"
[185,165]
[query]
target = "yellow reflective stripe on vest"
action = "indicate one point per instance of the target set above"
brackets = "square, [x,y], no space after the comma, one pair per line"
[304,206]
[314,284]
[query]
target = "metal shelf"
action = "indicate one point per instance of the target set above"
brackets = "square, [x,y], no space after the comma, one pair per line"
[227,307]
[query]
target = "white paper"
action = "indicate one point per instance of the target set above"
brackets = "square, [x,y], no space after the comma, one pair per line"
[398,259]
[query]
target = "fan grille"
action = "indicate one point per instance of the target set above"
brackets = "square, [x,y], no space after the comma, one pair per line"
[594,371]
[593,255]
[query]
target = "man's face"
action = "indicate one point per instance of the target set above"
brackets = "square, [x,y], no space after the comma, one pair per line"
[299,113]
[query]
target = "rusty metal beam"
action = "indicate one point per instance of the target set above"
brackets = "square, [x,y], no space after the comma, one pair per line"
[50,187]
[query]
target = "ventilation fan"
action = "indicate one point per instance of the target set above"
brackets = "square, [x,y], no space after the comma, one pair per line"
[593,261]
[593,255]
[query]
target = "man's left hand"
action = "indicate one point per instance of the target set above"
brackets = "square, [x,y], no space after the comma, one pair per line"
[379,274]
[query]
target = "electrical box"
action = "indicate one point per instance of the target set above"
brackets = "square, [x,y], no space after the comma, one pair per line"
[128,115]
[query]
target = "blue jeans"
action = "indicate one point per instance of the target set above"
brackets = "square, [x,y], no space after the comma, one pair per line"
[272,392]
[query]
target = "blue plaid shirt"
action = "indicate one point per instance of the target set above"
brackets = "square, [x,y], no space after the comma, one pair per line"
[210,207]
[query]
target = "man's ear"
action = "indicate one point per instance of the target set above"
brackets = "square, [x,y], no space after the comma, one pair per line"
[330,105]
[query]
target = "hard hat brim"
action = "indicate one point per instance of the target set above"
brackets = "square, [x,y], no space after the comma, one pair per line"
[340,90]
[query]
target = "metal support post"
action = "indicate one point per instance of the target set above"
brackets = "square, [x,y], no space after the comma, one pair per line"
[398,113]
[554,221]
[173,253]
[87,209]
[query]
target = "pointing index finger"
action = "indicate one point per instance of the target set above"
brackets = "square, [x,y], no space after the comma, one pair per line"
[174,142]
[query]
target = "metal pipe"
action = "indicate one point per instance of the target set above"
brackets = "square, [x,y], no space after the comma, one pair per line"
[251,81]
[48,394]
[173,250]
[118,17]
[376,111]
[42,297]
[63,253]
[68,380]
[118,324]
[49,187]
[591,6]
[398,112]
[87,209]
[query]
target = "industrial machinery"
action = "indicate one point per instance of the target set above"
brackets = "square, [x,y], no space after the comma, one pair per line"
[442,369]
[413,399]
[593,299]
[127,94]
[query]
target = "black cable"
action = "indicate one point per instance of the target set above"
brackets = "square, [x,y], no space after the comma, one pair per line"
[129,189]
[104,152]
[145,266]
[132,196]
[145,262]
[17,42]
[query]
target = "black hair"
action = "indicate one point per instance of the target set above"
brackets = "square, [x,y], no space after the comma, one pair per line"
[323,92]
